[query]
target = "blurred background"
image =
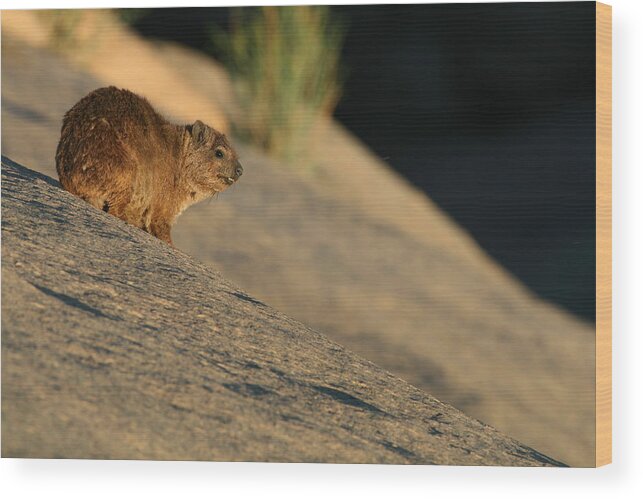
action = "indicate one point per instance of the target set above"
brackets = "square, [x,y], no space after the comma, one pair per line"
[419,180]
[488,109]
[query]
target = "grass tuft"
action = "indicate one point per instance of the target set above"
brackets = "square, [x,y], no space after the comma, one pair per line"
[285,64]
[62,26]
[74,32]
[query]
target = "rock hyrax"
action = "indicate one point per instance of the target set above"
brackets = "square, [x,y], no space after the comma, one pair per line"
[121,156]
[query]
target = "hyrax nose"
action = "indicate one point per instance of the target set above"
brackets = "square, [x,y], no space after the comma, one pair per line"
[238,170]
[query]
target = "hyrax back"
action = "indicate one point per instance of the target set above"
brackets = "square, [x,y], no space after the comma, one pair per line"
[121,156]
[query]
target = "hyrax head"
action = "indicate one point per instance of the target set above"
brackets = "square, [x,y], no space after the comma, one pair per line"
[212,164]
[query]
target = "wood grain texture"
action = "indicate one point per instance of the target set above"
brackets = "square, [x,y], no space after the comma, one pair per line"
[603,234]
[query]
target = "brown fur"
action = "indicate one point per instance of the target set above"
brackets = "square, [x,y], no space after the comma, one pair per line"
[121,156]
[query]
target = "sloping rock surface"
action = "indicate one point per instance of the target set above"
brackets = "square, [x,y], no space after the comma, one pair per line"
[116,346]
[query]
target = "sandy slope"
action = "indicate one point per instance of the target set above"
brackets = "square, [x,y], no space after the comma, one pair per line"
[116,346]
[357,253]
[124,60]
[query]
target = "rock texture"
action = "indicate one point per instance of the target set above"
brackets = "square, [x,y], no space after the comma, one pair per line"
[116,346]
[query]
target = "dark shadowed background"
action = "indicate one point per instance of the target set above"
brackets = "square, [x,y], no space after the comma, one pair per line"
[487,108]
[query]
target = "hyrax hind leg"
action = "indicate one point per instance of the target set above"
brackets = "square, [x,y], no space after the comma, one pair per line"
[92,162]
[107,189]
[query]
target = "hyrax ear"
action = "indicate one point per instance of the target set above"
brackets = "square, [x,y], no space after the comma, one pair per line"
[198,131]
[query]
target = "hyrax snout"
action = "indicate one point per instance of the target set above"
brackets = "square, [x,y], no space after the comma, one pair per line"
[118,154]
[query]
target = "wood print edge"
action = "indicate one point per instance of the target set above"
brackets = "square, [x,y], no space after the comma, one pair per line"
[603,234]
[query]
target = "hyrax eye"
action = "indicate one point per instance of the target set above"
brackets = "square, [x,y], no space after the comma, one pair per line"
[219,153]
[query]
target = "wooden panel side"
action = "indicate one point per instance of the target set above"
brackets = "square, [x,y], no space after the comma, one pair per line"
[603,234]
